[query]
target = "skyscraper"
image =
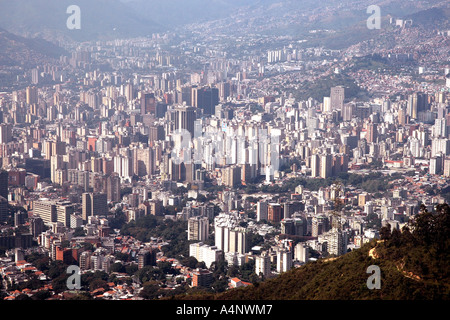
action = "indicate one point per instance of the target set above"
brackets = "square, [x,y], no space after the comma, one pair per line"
[205,98]
[417,102]
[284,260]
[372,133]
[337,97]
[319,225]
[93,204]
[5,133]
[198,228]
[347,112]
[113,187]
[239,240]
[35,76]
[301,252]
[4,184]
[63,212]
[45,209]
[315,165]
[3,209]
[31,95]
[185,118]
[148,103]
[275,212]
[261,210]
[262,265]
[325,166]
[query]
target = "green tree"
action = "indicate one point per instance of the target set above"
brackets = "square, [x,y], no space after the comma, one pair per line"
[79,232]
[98,283]
[41,295]
[118,267]
[131,269]
[190,262]
[150,291]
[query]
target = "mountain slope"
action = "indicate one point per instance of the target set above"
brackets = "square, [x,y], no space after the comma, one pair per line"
[175,13]
[16,50]
[100,19]
[433,17]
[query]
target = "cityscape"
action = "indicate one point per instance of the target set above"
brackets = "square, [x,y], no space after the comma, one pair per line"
[209,156]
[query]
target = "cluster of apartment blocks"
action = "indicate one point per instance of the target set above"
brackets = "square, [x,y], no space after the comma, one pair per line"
[310,218]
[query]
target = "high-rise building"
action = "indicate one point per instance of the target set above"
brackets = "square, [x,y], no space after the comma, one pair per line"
[417,102]
[63,212]
[301,252]
[224,90]
[184,118]
[446,172]
[5,133]
[320,224]
[56,163]
[198,228]
[231,176]
[202,278]
[31,95]
[4,177]
[36,225]
[262,210]
[288,226]
[85,260]
[148,103]
[337,241]
[347,112]
[326,105]
[145,162]
[35,76]
[205,98]
[93,204]
[128,91]
[325,166]
[45,209]
[372,133]
[146,257]
[275,212]
[315,165]
[337,97]
[262,265]
[284,260]
[205,253]
[113,187]
[239,240]
[3,209]
[156,133]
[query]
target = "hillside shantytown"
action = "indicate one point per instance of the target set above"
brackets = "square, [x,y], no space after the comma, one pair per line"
[202,158]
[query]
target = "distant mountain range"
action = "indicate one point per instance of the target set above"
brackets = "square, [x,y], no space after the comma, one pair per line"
[107,19]
[100,19]
[110,19]
[19,51]
[268,14]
